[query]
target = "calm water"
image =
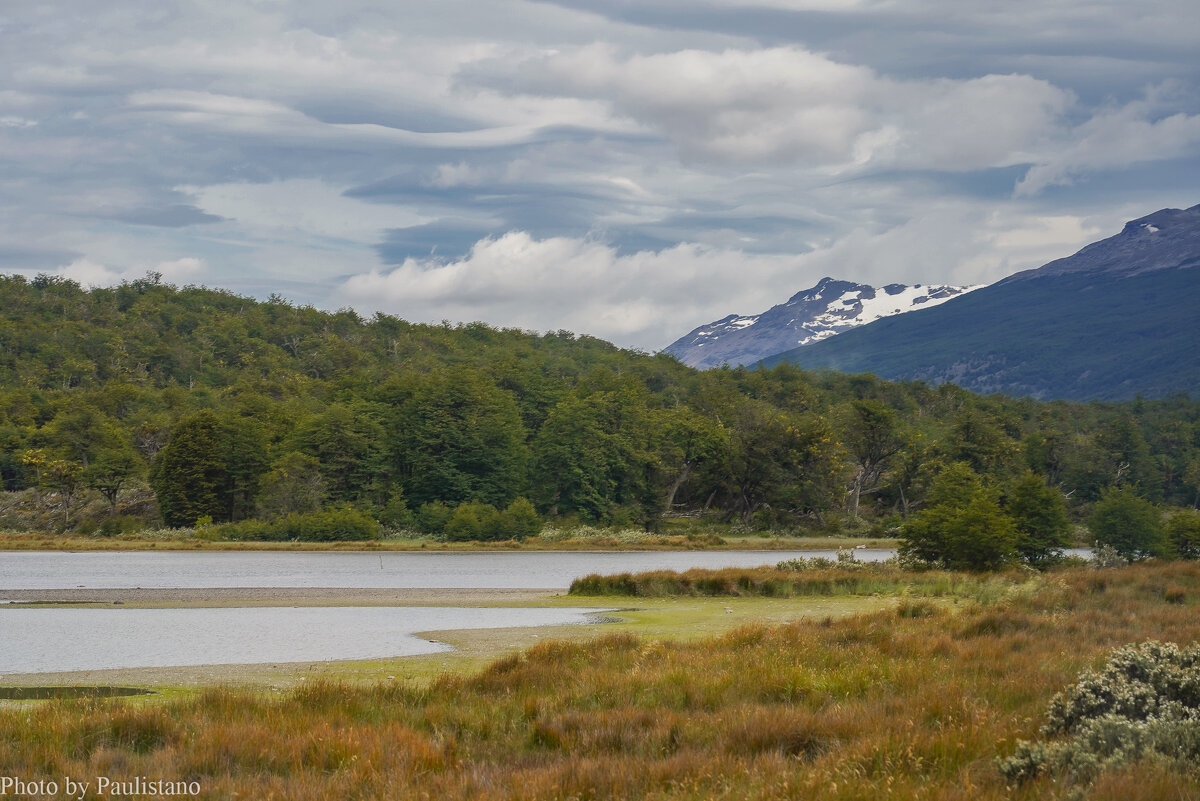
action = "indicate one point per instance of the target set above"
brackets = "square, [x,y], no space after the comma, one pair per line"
[522,570]
[52,640]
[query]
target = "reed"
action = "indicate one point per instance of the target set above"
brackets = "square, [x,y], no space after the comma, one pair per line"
[914,702]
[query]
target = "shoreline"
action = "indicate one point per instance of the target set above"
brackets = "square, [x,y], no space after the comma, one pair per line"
[10,543]
[278,596]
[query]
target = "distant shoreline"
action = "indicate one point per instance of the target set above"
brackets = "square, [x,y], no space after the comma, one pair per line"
[44,542]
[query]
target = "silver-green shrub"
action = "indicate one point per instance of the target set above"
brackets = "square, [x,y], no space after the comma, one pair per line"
[1104,556]
[1144,704]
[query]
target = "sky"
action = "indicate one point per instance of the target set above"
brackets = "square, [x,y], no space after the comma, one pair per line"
[628,169]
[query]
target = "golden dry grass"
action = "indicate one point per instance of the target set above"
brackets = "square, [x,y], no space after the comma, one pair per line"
[914,702]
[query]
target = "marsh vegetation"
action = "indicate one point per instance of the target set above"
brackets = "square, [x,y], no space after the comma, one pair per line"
[920,700]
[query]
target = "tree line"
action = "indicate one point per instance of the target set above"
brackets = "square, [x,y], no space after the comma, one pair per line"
[178,405]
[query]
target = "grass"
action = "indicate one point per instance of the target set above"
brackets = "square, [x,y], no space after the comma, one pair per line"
[913,701]
[863,579]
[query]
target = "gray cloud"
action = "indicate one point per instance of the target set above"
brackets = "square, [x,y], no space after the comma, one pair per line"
[622,168]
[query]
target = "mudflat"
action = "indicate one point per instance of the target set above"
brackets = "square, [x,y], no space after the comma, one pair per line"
[281,596]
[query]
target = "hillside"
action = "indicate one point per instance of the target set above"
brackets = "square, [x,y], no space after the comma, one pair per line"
[146,404]
[1116,320]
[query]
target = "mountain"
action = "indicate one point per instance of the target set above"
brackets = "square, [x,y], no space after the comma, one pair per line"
[1119,318]
[829,308]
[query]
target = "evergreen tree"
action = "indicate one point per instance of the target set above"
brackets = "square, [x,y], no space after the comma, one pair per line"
[963,527]
[1131,525]
[1040,514]
[1183,534]
[189,474]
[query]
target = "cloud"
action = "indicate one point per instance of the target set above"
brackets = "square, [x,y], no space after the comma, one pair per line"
[786,105]
[305,208]
[90,274]
[645,298]
[634,168]
[1118,138]
[648,298]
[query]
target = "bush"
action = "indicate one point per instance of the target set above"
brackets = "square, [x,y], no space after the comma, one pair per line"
[519,520]
[245,530]
[1145,703]
[473,521]
[328,525]
[395,513]
[1105,556]
[431,518]
[480,522]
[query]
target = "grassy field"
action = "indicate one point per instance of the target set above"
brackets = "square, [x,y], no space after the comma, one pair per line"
[912,695]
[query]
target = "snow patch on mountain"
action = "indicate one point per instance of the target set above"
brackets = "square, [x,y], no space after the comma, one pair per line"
[827,309]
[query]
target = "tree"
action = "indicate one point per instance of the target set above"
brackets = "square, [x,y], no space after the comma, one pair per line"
[963,527]
[1183,534]
[1040,514]
[872,440]
[688,440]
[294,485]
[245,454]
[35,460]
[110,471]
[457,437]
[1129,524]
[65,477]
[348,444]
[979,442]
[787,462]
[189,475]
[82,430]
[595,453]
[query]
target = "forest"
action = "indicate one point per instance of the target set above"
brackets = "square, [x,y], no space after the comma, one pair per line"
[150,405]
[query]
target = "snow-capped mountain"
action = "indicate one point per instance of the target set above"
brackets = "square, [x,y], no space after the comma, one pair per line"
[827,309]
[1119,318]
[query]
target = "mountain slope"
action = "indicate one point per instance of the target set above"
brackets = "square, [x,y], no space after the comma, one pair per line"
[829,308]
[1119,318]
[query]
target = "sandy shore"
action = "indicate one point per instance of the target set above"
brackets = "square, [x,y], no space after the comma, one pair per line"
[281,596]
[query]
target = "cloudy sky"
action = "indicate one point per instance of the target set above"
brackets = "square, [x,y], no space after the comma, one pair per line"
[625,168]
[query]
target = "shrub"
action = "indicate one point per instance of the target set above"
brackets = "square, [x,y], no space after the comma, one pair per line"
[395,513]
[431,518]
[329,525]
[253,530]
[1104,556]
[519,520]
[472,521]
[342,524]
[1145,703]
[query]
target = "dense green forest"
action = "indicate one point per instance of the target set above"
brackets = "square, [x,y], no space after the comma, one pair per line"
[183,405]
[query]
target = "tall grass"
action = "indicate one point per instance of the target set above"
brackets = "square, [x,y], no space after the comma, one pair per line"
[914,703]
[777,583]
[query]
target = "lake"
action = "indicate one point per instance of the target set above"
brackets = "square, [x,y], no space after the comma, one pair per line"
[55,639]
[43,570]
[35,640]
